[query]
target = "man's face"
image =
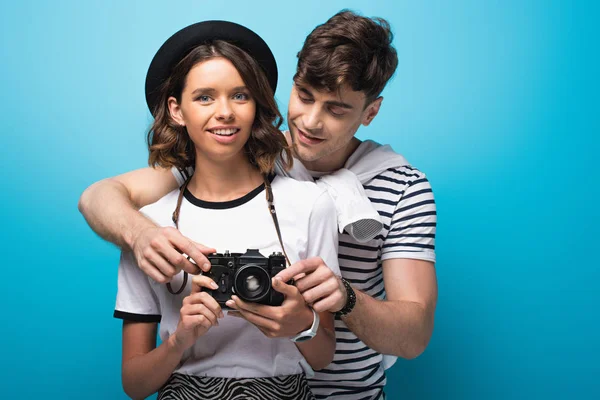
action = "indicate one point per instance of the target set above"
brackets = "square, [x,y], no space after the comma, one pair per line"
[322,124]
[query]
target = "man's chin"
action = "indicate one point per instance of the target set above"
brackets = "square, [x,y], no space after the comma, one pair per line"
[302,153]
[305,155]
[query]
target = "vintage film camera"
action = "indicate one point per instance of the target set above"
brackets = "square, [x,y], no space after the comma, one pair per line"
[247,275]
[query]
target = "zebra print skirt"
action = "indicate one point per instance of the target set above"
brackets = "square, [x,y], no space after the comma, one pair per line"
[188,387]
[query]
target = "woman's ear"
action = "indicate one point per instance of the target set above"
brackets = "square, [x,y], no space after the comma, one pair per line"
[175,111]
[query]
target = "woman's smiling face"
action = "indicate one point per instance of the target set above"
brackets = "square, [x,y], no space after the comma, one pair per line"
[217,110]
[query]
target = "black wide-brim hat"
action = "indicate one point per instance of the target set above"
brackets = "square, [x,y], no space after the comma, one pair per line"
[185,40]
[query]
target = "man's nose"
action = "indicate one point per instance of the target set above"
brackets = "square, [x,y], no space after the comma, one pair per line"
[312,120]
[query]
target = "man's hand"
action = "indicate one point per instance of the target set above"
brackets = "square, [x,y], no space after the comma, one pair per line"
[159,252]
[319,286]
[289,319]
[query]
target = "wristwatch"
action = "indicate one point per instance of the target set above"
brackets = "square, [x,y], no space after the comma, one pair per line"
[309,333]
[350,300]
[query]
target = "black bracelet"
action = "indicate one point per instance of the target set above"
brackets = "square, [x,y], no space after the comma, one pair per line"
[350,300]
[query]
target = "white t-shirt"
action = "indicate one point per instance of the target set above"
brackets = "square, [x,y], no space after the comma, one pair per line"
[235,348]
[404,200]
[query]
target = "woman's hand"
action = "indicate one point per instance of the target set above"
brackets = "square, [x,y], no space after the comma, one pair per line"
[199,313]
[287,320]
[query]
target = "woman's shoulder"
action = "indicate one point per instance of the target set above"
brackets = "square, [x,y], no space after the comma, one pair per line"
[302,189]
[163,206]
[302,197]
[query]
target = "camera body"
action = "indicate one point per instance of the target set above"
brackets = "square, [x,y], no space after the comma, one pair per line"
[246,275]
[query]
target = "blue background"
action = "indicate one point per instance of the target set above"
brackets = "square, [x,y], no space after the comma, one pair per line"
[496,101]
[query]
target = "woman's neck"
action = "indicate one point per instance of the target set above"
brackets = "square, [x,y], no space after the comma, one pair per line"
[223,181]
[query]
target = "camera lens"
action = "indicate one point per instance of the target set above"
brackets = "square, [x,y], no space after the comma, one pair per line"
[252,282]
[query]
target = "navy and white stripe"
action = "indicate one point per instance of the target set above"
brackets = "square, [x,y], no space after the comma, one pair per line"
[405,202]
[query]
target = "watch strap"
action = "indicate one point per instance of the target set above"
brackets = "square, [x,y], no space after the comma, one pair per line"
[310,332]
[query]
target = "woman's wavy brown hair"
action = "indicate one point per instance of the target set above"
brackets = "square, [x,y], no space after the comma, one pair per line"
[169,143]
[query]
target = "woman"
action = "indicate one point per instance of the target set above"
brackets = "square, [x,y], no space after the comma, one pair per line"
[210,88]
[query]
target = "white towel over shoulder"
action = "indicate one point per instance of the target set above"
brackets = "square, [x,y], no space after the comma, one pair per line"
[356,214]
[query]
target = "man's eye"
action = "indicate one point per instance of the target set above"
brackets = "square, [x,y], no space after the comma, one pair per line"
[336,112]
[305,99]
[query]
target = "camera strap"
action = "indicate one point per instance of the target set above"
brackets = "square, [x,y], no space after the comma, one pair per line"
[175,218]
[269,193]
[274,215]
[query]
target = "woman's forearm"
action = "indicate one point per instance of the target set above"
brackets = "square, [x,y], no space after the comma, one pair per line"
[145,374]
[319,350]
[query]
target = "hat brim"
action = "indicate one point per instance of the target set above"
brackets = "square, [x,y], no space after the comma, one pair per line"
[183,41]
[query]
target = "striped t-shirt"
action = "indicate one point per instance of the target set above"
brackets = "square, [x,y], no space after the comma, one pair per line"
[405,202]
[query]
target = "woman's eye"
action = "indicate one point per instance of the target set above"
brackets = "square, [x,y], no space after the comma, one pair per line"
[240,96]
[203,98]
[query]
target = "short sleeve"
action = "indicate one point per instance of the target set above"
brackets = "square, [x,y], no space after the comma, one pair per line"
[322,232]
[182,175]
[136,300]
[413,226]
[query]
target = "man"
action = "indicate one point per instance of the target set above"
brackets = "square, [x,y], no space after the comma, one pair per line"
[386,300]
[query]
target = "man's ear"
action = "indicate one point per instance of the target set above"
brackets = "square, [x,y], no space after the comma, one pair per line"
[371,111]
[175,111]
